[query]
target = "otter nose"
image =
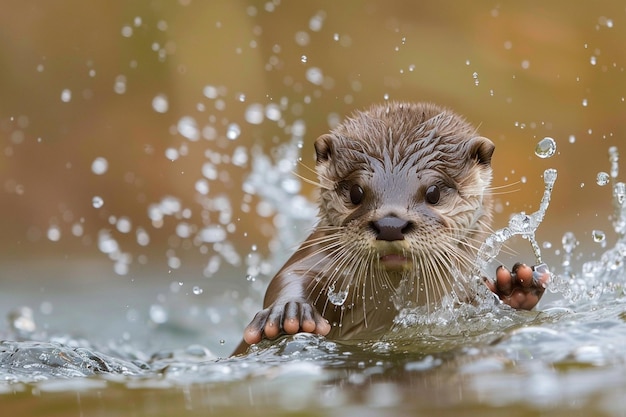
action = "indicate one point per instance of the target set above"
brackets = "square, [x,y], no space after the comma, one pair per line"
[390,228]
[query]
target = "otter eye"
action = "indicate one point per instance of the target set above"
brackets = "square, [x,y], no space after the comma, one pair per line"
[356,194]
[432,194]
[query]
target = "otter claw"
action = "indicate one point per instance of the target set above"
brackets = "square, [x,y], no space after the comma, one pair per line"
[288,318]
[522,287]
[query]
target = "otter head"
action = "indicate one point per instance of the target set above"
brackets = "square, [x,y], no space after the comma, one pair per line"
[405,186]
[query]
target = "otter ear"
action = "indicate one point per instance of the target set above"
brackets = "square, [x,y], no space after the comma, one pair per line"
[323,148]
[481,149]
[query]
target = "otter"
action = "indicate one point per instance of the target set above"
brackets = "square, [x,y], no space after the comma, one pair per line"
[404,205]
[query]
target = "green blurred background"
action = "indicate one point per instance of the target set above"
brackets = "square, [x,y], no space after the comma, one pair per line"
[78,81]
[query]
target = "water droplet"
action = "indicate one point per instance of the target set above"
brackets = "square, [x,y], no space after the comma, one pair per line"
[160,103]
[233,131]
[614,160]
[209,171]
[99,166]
[337,298]
[316,22]
[303,59]
[123,224]
[545,148]
[592,60]
[202,186]
[250,278]
[569,242]
[197,290]
[143,238]
[158,314]
[525,64]
[302,38]
[54,233]
[127,31]
[272,112]
[240,156]
[172,154]
[255,114]
[619,193]
[602,178]
[598,236]
[184,230]
[97,202]
[212,234]
[314,75]
[174,262]
[210,91]
[549,177]
[585,102]
[77,229]
[120,84]
[475,77]
[605,21]
[106,243]
[22,320]
[66,95]
[188,128]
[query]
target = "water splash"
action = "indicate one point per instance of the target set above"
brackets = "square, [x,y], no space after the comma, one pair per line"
[606,275]
[521,224]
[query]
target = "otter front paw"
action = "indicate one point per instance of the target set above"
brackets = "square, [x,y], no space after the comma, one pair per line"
[522,287]
[290,318]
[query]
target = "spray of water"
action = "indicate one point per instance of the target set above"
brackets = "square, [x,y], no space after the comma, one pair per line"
[605,275]
[520,224]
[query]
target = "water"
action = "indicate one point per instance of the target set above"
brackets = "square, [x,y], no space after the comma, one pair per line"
[456,358]
[165,216]
[545,148]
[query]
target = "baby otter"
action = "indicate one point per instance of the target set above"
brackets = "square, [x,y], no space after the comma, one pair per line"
[404,205]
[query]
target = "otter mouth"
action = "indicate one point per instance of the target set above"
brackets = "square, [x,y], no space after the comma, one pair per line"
[394,262]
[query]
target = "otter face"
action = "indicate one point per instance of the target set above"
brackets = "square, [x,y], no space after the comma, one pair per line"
[407,186]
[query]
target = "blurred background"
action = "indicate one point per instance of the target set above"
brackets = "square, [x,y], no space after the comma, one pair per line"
[129,133]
